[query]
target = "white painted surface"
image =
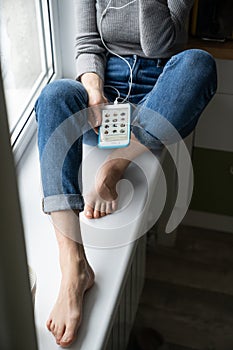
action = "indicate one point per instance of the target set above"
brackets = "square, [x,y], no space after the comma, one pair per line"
[215,127]
[67,33]
[215,131]
[110,265]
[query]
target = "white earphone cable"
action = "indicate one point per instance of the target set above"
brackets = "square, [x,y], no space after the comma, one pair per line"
[114,53]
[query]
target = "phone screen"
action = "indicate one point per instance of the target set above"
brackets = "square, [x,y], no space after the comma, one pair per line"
[115,126]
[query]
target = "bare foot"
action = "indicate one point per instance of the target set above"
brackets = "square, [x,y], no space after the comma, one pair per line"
[77,278]
[102,201]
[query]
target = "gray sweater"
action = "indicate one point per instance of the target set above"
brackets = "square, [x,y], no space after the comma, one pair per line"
[147,28]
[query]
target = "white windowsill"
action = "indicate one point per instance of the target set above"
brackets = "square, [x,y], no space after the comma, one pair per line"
[110,265]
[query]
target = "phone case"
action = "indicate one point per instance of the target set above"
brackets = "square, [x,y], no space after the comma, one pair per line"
[115,129]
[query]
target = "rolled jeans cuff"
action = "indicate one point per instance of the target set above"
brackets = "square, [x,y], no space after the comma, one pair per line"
[147,139]
[62,202]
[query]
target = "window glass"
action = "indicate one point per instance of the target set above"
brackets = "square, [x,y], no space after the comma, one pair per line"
[26,55]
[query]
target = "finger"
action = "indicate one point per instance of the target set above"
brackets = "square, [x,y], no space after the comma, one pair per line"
[94,119]
[97,114]
[91,117]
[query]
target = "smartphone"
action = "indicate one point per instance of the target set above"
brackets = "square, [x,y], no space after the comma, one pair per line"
[114,131]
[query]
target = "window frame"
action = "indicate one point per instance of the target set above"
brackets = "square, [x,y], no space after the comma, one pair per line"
[25,128]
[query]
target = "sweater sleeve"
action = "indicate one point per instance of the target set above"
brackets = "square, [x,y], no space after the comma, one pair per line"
[90,53]
[167,21]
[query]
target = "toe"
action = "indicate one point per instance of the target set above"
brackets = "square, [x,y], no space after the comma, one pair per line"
[109,208]
[53,328]
[59,333]
[69,335]
[88,211]
[96,214]
[103,209]
[48,323]
[66,341]
[97,210]
[114,205]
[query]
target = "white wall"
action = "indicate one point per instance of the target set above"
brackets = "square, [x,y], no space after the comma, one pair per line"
[66,15]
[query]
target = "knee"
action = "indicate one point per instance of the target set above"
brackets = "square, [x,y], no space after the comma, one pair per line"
[202,67]
[201,61]
[200,57]
[63,92]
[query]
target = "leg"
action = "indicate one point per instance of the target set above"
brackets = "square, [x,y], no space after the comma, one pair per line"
[167,113]
[61,124]
[77,278]
[102,200]
[57,135]
[183,90]
[107,178]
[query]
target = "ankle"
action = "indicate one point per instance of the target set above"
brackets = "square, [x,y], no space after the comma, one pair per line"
[71,252]
[73,266]
[118,164]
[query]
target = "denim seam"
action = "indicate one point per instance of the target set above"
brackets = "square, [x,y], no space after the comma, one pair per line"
[62,202]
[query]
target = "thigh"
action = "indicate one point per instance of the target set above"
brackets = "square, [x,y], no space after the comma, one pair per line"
[182,91]
[59,101]
[62,120]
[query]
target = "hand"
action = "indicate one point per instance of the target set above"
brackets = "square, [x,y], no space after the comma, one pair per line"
[94,87]
[96,99]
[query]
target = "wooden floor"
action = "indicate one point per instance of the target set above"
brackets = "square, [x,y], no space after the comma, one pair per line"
[188,293]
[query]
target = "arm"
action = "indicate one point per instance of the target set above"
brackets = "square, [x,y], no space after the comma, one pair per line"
[90,57]
[90,53]
[94,87]
[165,21]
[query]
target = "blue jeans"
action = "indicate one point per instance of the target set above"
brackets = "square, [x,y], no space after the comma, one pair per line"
[168,96]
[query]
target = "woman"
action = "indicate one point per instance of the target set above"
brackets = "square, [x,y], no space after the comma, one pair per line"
[174,84]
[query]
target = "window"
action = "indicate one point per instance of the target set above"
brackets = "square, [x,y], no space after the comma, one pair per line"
[26,57]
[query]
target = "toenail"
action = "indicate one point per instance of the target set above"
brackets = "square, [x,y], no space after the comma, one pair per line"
[88,212]
[66,340]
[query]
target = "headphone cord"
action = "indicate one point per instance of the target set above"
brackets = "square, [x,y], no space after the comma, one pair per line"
[114,53]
